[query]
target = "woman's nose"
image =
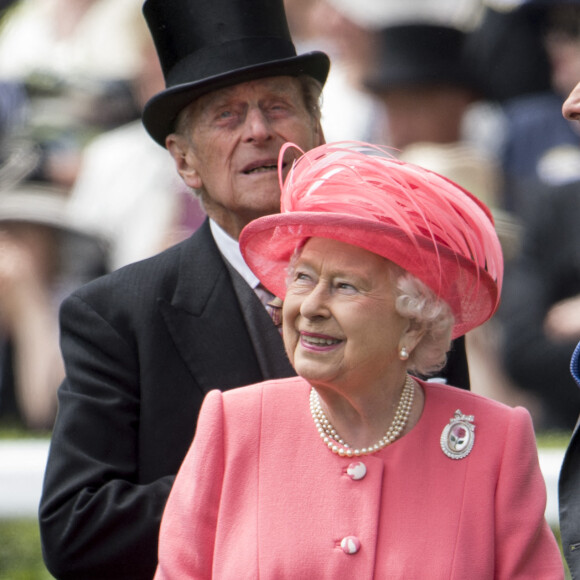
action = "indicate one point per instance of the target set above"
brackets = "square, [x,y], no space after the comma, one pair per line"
[315,303]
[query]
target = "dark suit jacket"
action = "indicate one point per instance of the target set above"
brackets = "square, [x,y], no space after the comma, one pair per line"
[142,347]
[569,489]
[569,501]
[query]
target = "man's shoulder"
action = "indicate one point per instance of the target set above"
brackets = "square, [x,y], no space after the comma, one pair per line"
[144,275]
[153,277]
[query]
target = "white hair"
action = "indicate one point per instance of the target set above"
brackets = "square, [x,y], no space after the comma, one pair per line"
[418,303]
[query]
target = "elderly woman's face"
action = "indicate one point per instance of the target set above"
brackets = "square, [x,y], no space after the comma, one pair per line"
[340,324]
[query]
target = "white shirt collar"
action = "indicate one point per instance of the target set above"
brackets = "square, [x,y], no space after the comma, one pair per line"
[230,250]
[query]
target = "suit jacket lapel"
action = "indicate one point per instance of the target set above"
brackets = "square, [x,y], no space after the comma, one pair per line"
[265,337]
[245,347]
[217,355]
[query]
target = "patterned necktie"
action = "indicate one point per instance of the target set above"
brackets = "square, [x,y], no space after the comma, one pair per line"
[272,304]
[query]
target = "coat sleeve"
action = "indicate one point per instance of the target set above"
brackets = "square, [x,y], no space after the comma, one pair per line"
[189,524]
[96,519]
[525,545]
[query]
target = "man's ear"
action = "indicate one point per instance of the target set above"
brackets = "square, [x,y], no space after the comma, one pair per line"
[185,160]
[321,139]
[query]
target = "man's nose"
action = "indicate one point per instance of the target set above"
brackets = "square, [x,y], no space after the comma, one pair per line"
[571,107]
[256,126]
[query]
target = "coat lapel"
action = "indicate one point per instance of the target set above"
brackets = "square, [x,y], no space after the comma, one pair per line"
[218,355]
[265,337]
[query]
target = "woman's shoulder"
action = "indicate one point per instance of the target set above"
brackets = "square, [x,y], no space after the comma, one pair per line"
[274,391]
[446,396]
[493,423]
[246,411]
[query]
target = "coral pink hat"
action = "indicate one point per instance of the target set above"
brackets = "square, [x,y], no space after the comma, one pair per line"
[359,194]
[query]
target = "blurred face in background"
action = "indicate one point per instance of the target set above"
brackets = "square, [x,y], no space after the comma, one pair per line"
[562,43]
[420,113]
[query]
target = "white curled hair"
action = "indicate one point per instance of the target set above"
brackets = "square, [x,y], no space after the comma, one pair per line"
[418,303]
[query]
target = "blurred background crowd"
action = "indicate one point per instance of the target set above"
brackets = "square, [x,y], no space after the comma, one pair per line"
[472,89]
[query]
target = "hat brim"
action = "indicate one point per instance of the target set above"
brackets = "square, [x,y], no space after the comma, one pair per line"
[268,244]
[161,111]
[35,204]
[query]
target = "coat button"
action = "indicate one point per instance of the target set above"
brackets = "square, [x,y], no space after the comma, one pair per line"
[350,545]
[356,470]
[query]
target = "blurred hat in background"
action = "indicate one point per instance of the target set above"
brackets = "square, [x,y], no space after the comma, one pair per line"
[419,54]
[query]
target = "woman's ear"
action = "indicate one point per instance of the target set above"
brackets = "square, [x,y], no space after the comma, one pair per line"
[185,160]
[412,336]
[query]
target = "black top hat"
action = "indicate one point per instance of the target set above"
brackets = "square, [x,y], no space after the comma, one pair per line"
[509,53]
[204,45]
[420,54]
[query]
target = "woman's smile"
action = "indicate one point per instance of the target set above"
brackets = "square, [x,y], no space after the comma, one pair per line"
[318,342]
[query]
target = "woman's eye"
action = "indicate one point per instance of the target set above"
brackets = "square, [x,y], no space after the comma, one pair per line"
[346,287]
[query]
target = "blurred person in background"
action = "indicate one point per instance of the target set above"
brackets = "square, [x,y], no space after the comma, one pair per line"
[569,482]
[424,81]
[127,187]
[540,310]
[422,78]
[43,257]
[527,55]
[74,59]
[346,33]
[539,315]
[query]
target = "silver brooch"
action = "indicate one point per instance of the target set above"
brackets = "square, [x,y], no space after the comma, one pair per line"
[458,437]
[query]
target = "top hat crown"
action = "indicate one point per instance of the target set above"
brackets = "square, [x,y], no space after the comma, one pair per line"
[204,45]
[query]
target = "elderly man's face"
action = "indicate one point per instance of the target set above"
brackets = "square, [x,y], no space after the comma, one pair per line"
[232,150]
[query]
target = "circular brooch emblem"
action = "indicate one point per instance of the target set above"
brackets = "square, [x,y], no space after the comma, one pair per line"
[458,436]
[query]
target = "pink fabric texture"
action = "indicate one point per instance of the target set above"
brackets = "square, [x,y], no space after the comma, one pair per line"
[260,496]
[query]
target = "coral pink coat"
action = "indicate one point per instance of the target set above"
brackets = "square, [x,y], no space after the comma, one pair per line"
[259,495]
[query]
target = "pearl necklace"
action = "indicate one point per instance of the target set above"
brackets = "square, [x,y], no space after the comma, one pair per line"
[337,445]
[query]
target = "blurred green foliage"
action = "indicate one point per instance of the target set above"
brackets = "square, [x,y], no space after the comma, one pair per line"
[20,553]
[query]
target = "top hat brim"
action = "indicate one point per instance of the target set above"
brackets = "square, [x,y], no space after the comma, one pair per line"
[161,111]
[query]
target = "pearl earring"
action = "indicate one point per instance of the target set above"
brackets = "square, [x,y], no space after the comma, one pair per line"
[403,354]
